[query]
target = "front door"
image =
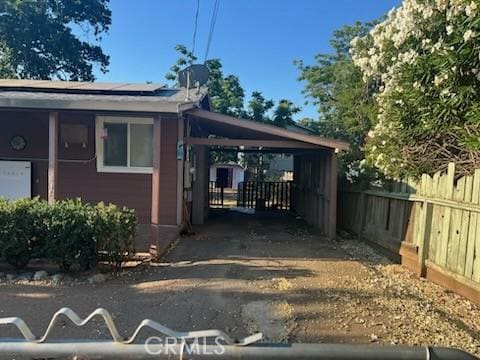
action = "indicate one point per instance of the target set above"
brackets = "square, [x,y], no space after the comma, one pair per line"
[222,177]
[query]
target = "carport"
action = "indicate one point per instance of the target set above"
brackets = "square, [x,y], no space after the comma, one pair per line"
[314,188]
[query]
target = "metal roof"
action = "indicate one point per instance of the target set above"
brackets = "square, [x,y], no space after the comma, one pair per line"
[70,95]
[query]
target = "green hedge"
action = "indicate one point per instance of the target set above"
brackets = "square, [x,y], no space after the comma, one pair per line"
[69,233]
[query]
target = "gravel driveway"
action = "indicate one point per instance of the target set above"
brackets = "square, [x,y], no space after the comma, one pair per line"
[244,274]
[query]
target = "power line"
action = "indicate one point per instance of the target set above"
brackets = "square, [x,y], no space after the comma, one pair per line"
[216,6]
[195,27]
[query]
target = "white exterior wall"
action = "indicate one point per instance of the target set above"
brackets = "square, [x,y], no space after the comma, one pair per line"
[213,173]
[238,174]
[238,177]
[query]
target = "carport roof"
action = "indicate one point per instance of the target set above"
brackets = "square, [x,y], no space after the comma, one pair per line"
[238,128]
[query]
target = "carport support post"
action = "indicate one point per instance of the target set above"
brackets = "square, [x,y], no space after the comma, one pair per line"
[332,191]
[155,216]
[200,185]
[52,156]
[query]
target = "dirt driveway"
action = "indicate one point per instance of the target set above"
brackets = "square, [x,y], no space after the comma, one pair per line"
[242,274]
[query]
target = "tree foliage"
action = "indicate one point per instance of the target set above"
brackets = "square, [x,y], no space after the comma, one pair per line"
[283,113]
[258,108]
[225,92]
[425,57]
[345,104]
[38,40]
[185,58]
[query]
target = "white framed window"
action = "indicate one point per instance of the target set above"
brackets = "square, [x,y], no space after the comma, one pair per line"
[124,144]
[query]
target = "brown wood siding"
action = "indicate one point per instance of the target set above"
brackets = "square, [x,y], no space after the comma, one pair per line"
[80,178]
[168,172]
[33,126]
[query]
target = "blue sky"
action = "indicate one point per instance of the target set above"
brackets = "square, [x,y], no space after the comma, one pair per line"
[256,40]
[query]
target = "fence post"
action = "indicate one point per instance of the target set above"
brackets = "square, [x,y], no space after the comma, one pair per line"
[424,236]
[362,212]
[447,190]
[221,194]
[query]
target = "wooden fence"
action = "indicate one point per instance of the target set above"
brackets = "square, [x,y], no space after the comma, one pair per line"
[265,195]
[432,224]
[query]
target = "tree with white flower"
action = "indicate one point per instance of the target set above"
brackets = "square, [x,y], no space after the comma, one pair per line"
[425,57]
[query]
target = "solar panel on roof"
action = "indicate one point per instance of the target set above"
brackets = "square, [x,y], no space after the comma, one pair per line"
[20,83]
[97,86]
[78,86]
[45,84]
[140,87]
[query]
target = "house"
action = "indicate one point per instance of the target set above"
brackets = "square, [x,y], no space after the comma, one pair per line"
[227,175]
[145,146]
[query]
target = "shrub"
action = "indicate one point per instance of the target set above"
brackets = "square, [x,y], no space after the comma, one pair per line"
[70,235]
[114,232]
[22,230]
[5,227]
[424,57]
[67,233]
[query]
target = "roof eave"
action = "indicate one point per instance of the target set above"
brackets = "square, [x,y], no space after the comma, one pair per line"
[337,145]
[133,106]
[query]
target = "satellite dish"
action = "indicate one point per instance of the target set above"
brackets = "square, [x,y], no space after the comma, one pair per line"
[193,76]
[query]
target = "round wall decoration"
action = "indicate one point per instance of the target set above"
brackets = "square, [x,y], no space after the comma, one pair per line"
[18,143]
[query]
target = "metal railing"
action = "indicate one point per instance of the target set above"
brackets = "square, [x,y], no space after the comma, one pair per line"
[186,346]
[216,194]
[265,195]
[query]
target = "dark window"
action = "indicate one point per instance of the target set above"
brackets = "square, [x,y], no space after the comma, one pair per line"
[116,144]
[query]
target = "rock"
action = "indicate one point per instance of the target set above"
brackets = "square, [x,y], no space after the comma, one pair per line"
[2,275]
[56,278]
[75,268]
[40,275]
[10,277]
[97,279]
[25,277]
[67,279]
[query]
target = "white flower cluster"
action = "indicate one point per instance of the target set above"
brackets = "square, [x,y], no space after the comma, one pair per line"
[418,29]
[355,169]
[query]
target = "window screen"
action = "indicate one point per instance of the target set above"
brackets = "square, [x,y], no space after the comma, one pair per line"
[116,145]
[141,143]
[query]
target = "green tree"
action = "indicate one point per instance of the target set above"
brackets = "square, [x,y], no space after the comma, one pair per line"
[310,124]
[345,103]
[225,92]
[185,58]
[283,113]
[38,40]
[258,108]
[229,98]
